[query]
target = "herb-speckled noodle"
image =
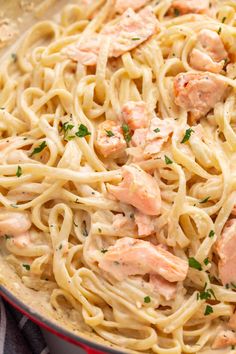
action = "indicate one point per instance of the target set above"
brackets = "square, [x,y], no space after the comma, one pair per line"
[53,173]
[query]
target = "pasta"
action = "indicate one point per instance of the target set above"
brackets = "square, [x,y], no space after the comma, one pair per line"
[91,74]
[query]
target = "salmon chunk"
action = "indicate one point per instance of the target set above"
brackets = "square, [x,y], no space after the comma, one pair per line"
[163,287]
[209,53]
[123,5]
[145,223]
[224,339]
[159,132]
[227,252]
[110,139]
[152,139]
[14,223]
[137,257]
[139,189]
[129,32]
[135,114]
[190,6]
[198,93]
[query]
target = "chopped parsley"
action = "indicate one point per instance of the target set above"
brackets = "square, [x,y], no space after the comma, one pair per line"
[66,127]
[193,263]
[83,131]
[206,294]
[135,39]
[39,148]
[126,132]
[147,299]
[187,135]
[168,161]
[219,30]
[14,57]
[103,250]
[208,310]
[109,133]
[176,12]
[157,130]
[224,19]
[211,234]
[26,266]
[204,200]
[19,171]
[206,261]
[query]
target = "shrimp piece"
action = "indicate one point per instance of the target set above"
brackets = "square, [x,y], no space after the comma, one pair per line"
[145,224]
[139,189]
[110,139]
[226,248]
[125,35]
[224,339]
[135,114]
[137,257]
[198,93]
[210,53]
[190,6]
[163,287]
[123,5]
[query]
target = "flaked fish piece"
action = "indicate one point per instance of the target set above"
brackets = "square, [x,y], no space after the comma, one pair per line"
[139,189]
[198,93]
[129,257]
[129,32]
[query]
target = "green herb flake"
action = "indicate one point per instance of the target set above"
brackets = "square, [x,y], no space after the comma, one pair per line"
[176,12]
[135,39]
[103,250]
[147,299]
[83,131]
[204,200]
[39,148]
[187,135]
[224,19]
[67,126]
[126,132]
[14,57]
[233,285]
[168,161]
[109,133]
[19,171]
[69,138]
[219,31]
[26,266]
[193,263]
[206,261]
[157,130]
[208,310]
[211,234]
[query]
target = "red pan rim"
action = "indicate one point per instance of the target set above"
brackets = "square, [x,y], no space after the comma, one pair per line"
[89,346]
